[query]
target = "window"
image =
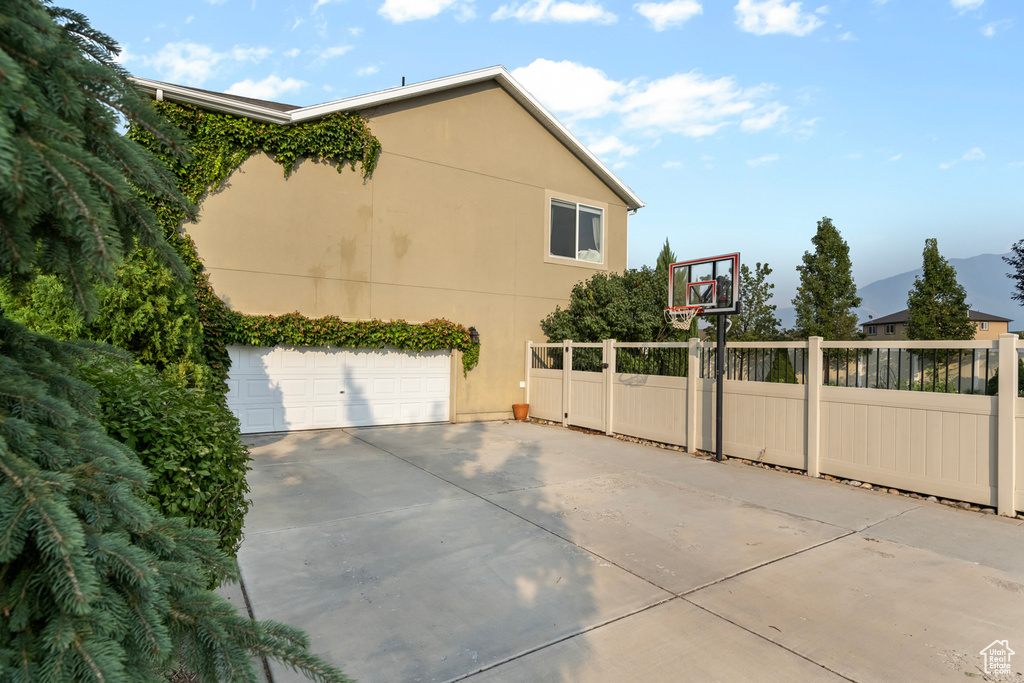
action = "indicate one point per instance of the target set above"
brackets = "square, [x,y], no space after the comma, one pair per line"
[890,329]
[984,326]
[872,329]
[577,231]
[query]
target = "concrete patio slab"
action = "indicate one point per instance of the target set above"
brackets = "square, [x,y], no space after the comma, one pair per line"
[679,538]
[874,610]
[511,461]
[509,551]
[825,501]
[672,642]
[432,592]
[347,481]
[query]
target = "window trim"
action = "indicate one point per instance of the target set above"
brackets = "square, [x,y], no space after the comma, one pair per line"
[890,329]
[548,257]
[984,325]
[872,330]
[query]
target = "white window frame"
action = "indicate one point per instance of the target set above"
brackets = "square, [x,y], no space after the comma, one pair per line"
[984,325]
[872,330]
[578,201]
[890,329]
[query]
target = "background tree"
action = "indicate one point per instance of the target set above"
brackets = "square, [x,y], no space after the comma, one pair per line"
[757,321]
[937,303]
[827,295]
[627,306]
[95,583]
[1016,259]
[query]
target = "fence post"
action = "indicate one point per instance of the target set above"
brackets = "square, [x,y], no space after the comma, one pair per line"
[1007,429]
[813,380]
[529,366]
[566,384]
[609,377]
[692,378]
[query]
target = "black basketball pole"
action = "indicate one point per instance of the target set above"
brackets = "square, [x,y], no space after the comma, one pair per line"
[719,388]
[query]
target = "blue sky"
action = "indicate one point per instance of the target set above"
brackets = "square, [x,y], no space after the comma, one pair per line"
[739,123]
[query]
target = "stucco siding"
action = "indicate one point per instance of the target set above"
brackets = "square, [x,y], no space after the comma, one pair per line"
[453,223]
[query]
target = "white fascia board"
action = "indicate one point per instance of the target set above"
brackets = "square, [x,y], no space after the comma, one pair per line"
[227,105]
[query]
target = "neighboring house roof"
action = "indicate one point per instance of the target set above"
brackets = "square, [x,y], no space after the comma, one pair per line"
[284,114]
[904,315]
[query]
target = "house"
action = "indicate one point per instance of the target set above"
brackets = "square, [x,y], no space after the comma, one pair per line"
[894,326]
[483,209]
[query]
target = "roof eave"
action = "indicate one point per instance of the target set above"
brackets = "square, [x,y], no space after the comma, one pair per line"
[184,95]
[174,93]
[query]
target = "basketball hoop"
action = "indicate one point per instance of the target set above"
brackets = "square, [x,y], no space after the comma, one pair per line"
[680,317]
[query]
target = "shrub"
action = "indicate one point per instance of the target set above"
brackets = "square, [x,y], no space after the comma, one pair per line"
[188,439]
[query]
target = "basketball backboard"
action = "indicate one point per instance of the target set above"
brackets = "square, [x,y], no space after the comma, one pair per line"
[712,284]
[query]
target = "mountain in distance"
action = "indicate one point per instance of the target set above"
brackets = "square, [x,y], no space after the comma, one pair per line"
[983,276]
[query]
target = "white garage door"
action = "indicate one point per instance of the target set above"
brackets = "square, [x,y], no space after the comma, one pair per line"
[286,388]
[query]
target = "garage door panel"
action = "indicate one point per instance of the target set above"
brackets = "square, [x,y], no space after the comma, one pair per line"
[287,388]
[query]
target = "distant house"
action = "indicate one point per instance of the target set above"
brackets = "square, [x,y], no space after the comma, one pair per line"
[894,326]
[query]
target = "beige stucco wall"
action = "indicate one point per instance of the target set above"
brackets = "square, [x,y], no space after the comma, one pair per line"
[452,224]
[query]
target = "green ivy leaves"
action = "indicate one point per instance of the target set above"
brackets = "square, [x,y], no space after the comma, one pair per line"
[296,329]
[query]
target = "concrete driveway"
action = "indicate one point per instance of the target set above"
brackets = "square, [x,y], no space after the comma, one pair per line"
[522,552]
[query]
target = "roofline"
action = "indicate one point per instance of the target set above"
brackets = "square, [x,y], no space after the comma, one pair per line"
[185,95]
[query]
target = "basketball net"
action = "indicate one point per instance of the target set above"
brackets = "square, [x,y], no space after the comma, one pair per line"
[681,317]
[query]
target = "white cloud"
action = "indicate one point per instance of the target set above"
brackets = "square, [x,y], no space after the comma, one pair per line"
[760,161]
[896,157]
[612,145]
[663,15]
[568,88]
[672,165]
[773,16]
[270,88]
[823,11]
[848,37]
[294,52]
[991,29]
[298,23]
[973,154]
[400,11]
[696,106]
[250,54]
[966,5]
[855,155]
[356,31]
[190,18]
[368,70]
[336,51]
[767,116]
[688,103]
[806,128]
[320,3]
[560,11]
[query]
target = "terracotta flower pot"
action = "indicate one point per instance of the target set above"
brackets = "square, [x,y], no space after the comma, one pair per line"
[520,410]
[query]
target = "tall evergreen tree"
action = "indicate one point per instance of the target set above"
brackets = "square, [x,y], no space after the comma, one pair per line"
[827,295]
[757,320]
[95,583]
[937,303]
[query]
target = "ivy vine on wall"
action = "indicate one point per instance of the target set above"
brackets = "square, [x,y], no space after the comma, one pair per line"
[220,144]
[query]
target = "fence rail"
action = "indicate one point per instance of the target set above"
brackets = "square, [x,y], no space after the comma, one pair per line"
[933,417]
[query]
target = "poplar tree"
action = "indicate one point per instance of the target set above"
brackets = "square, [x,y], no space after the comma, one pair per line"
[95,583]
[827,295]
[937,304]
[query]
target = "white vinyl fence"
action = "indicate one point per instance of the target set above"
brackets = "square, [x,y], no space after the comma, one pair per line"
[937,418]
